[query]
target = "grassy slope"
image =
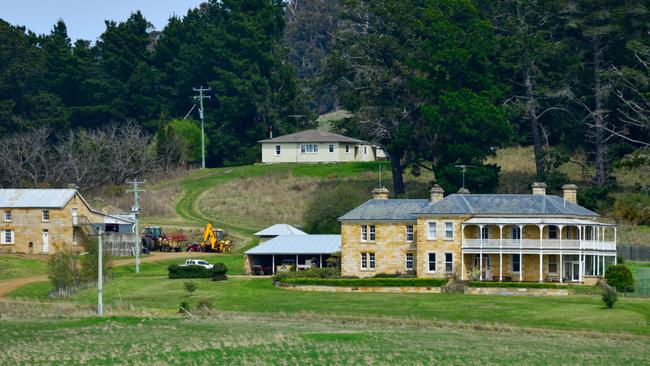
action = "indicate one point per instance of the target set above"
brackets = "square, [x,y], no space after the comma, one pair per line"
[14,267]
[297,340]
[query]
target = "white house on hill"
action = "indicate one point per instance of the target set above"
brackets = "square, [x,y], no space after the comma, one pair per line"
[316,146]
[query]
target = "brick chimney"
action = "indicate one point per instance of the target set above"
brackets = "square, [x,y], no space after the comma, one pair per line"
[380,193]
[539,189]
[570,192]
[437,193]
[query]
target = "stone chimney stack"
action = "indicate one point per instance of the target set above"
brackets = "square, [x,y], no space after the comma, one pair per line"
[437,193]
[539,189]
[570,192]
[380,193]
[463,191]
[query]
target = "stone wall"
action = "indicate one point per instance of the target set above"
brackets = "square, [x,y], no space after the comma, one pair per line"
[516,291]
[378,289]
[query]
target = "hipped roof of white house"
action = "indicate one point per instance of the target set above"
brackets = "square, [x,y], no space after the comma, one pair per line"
[313,136]
[299,244]
[280,229]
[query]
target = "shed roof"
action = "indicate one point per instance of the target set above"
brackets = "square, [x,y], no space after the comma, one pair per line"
[505,204]
[393,209]
[280,229]
[299,244]
[313,136]
[35,198]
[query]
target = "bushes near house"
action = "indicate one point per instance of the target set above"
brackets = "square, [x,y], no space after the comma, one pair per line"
[310,273]
[395,275]
[369,282]
[514,284]
[217,273]
[620,277]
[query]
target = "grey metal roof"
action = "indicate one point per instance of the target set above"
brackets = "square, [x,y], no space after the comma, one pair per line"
[280,229]
[313,136]
[505,204]
[392,209]
[35,198]
[299,244]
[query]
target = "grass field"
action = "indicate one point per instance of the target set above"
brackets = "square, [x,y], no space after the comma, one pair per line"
[16,267]
[234,339]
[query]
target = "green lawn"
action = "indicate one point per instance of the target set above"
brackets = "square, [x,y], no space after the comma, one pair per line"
[642,276]
[257,295]
[254,340]
[16,267]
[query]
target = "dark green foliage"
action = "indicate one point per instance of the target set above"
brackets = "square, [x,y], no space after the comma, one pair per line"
[633,208]
[310,273]
[610,297]
[176,271]
[329,203]
[596,199]
[514,284]
[184,307]
[395,275]
[190,287]
[363,282]
[620,277]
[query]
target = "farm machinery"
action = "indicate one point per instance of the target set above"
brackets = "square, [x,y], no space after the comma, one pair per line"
[153,238]
[214,240]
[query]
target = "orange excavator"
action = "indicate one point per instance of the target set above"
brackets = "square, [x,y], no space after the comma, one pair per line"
[214,240]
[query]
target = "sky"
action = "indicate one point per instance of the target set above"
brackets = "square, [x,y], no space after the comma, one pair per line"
[85,18]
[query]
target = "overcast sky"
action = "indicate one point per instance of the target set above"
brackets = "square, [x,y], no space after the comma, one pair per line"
[85,18]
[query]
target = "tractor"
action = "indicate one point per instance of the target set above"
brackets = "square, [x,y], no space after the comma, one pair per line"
[214,240]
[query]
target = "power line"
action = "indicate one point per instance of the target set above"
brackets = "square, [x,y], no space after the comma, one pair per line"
[200,98]
[136,212]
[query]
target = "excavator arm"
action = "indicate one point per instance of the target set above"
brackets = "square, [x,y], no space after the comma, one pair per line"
[208,234]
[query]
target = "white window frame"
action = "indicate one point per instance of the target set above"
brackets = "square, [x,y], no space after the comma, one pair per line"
[428,263]
[364,232]
[309,148]
[330,148]
[451,262]
[485,230]
[409,262]
[45,213]
[11,236]
[512,263]
[364,261]
[410,231]
[347,148]
[8,216]
[278,150]
[372,233]
[435,230]
[372,259]
[452,230]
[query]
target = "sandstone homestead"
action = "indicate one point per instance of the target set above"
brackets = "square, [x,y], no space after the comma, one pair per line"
[493,237]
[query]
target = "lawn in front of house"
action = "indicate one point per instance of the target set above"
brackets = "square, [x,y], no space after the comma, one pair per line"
[258,295]
[12,267]
[225,338]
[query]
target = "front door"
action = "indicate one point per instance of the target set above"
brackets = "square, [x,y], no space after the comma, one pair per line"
[575,271]
[46,241]
[487,268]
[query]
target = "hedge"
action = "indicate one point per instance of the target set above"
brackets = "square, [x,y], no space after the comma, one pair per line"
[369,282]
[218,272]
[514,284]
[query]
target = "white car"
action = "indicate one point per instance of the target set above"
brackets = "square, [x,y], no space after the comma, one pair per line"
[197,262]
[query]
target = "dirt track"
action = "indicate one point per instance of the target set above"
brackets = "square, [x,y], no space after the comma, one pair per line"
[10,285]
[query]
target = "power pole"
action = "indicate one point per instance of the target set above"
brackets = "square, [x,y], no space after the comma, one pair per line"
[136,211]
[200,98]
[100,274]
[463,168]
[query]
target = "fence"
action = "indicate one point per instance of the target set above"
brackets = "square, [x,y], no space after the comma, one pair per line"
[120,248]
[636,253]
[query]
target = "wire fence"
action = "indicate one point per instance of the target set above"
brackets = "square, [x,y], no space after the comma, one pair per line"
[120,248]
[636,253]
[642,282]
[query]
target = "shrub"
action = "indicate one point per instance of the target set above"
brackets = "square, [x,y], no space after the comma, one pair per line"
[610,297]
[218,271]
[620,277]
[204,304]
[367,282]
[63,271]
[310,273]
[395,275]
[185,306]
[513,284]
[634,208]
[190,287]
[620,260]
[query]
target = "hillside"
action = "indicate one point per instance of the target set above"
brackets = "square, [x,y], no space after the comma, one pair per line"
[245,199]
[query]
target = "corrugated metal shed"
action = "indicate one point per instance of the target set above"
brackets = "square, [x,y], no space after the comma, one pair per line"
[313,136]
[393,209]
[299,244]
[280,229]
[35,198]
[505,204]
